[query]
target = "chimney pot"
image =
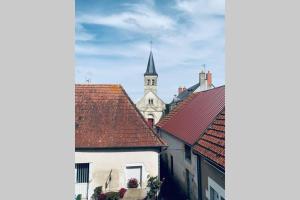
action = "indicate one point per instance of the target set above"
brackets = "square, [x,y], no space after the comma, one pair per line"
[209,78]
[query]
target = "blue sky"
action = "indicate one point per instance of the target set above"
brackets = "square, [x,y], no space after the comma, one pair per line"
[113,42]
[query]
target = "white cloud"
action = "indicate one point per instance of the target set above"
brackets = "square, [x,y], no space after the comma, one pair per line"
[176,45]
[201,7]
[82,34]
[139,18]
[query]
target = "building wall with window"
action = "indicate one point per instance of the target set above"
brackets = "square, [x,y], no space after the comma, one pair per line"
[120,164]
[212,180]
[151,106]
[181,163]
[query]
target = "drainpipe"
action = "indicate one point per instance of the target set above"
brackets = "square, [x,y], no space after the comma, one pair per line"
[199,177]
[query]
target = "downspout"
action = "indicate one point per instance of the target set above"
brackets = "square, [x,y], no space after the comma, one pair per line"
[199,177]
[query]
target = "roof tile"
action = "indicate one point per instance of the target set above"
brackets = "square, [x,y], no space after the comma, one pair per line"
[105,117]
[194,115]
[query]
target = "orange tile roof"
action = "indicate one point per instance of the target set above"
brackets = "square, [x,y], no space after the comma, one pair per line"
[107,118]
[212,143]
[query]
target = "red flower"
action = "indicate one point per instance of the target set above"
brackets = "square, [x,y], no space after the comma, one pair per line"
[122,192]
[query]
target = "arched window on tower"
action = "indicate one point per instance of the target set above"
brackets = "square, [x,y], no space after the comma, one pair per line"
[153,82]
[148,82]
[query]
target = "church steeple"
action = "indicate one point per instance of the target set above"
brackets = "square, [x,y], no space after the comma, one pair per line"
[150,76]
[151,66]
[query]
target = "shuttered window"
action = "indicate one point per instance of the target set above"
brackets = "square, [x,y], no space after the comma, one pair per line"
[82,172]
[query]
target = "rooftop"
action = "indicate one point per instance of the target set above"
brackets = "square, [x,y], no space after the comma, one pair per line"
[212,143]
[193,116]
[105,117]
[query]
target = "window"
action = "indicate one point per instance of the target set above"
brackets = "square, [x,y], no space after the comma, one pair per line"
[213,194]
[148,82]
[187,150]
[150,101]
[153,82]
[82,172]
[215,191]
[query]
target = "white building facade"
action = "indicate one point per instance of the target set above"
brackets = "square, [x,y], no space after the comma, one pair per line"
[112,169]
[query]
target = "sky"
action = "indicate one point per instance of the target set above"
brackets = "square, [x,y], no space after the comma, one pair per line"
[113,43]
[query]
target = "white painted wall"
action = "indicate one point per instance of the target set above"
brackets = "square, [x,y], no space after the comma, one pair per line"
[103,162]
[146,109]
[176,149]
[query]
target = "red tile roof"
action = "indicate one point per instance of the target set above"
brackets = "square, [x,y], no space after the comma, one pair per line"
[194,115]
[212,144]
[107,118]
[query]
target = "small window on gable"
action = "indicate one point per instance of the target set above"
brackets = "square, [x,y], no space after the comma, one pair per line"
[148,82]
[187,152]
[153,82]
[150,101]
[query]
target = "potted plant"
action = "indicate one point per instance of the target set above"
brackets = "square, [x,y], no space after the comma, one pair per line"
[133,183]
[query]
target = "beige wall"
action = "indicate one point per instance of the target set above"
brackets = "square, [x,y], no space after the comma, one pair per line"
[103,162]
[180,164]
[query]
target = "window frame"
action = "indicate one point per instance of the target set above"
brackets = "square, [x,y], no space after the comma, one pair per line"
[211,184]
[85,170]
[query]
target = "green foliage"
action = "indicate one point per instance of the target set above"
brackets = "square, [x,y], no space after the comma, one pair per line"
[97,192]
[154,185]
[112,196]
[78,197]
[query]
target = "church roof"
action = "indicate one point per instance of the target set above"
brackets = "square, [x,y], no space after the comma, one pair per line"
[105,117]
[151,66]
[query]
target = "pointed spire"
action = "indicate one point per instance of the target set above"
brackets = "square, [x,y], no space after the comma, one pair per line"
[151,67]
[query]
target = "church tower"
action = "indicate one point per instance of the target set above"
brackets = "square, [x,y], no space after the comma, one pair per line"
[150,76]
[150,105]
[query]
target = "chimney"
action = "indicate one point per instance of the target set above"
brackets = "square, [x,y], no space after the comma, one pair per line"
[181,89]
[202,78]
[209,78]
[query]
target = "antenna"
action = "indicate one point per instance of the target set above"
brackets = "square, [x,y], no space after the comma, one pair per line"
[203,67]
[87,80]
